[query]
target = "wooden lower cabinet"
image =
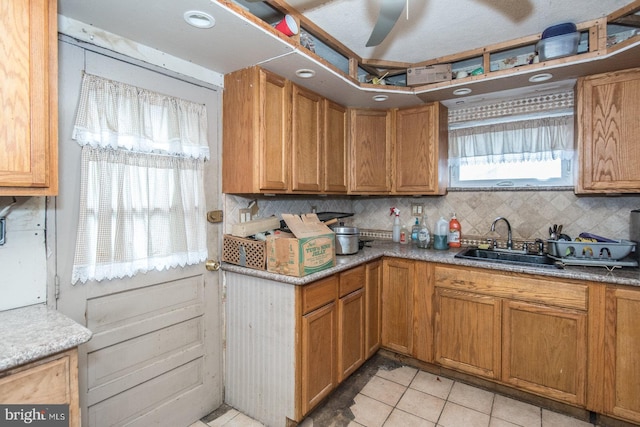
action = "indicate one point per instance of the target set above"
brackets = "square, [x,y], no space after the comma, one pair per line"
[351,333]
[334,328]
[373,307]
[319,350]
[468,332]
[525,331]
[545,350]
[622,354]
[52,380]
[397,305]
[407,307]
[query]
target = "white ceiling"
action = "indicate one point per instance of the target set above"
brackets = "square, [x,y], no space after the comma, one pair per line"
[434,28]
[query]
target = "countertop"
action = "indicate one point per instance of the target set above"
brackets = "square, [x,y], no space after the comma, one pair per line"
[37,331]
[619,276]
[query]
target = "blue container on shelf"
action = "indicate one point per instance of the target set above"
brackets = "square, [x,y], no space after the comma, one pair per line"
[558,41]
[558,30]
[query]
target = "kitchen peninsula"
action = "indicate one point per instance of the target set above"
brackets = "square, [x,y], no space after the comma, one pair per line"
[291,341]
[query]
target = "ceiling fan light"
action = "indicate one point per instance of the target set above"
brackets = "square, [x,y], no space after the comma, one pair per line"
[199,19]
[380,98]
[305,73]
[542,77]
[462,91]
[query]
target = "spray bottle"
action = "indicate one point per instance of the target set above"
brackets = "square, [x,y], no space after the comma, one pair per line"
[396,225]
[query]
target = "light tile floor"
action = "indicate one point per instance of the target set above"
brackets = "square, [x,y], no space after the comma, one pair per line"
[407,397]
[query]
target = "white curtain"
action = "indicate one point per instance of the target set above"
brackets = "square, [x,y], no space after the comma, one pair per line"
[537,139]
[142,202]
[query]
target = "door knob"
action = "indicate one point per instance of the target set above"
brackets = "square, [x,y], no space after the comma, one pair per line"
[212,265]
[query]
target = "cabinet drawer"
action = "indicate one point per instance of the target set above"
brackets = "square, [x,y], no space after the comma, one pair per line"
[555,292]
[319,293]
[351,280]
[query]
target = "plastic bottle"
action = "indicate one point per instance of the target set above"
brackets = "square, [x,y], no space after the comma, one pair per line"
[405,236]
[424,238]
[396,225]
[455,232]
[414,232]
[440,234]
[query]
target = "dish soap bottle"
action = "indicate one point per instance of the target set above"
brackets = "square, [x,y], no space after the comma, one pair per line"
[440,234]
[414,232]
[423,234]
[396,225]
[455,232]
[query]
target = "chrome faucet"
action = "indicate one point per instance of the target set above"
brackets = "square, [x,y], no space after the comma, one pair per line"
[509,239]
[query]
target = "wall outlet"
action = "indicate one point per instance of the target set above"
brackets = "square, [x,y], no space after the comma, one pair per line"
[417,209]
[245,215]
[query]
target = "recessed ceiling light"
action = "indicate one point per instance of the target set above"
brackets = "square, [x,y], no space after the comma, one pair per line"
[199,19]
[543,77]
[305,73]
[380,98]
[462,91]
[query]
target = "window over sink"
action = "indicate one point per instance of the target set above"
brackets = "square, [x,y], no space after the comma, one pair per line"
[526,150]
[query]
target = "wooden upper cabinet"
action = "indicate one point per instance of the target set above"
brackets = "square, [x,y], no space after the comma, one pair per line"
[420,150]
[29,120]
[307,140]
[336,158]
[370,140]
[256,148]
[609,133]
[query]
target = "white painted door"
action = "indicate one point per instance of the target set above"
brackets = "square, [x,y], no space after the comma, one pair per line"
[156,354]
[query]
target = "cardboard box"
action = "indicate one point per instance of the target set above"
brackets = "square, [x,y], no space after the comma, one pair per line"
[428,74]
[309,248]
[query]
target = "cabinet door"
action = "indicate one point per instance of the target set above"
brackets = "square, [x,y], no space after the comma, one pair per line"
[373,307]
[319,349]
[420,163]
[306,140]
[467,332]
[274,136]
[29,120]
[335,148]
[622,354]
[397,305]
[545,350]
[53,380]
[608,129]
[350,333]
[370,141]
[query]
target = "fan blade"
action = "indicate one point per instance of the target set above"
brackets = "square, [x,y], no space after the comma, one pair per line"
[390,11]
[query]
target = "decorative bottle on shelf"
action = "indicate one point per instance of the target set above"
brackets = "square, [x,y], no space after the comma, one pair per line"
[423,234]
[455,232]
[440,234]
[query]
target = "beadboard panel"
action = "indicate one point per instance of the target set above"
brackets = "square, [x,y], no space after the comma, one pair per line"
[260,348]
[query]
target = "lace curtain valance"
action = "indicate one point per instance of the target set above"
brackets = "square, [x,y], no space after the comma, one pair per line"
[537,139]
[116,115]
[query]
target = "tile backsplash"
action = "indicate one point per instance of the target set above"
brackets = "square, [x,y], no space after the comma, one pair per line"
[529,212]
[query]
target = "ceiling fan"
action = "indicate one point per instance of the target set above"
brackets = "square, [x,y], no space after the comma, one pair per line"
[390,11]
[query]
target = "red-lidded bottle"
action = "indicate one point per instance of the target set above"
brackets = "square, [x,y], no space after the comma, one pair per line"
[455,232]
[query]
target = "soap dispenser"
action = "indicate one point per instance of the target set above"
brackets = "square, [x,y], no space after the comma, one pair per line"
[440,234]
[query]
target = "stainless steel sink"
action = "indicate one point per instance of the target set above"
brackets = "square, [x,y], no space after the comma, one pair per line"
[507,257]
